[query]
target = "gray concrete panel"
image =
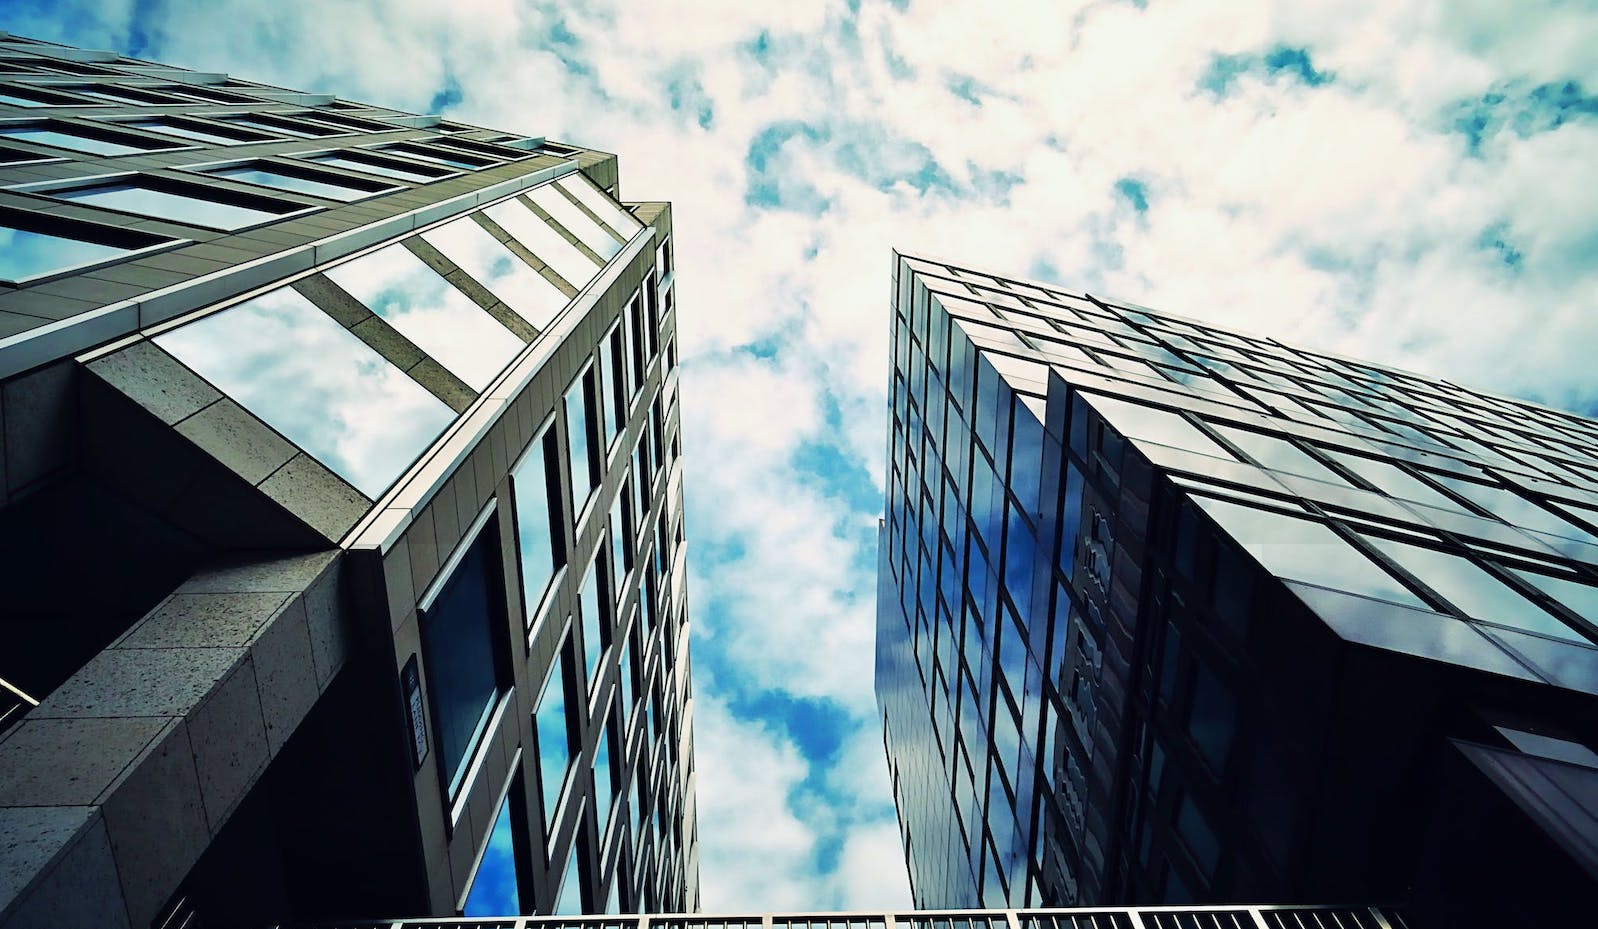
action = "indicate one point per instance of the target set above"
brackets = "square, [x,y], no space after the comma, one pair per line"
[69,762]
[237,439]
[156,823]
[228,735]
[156,381]
[310,491]
[81,889]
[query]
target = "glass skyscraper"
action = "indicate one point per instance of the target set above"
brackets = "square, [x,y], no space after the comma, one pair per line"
[341,523]
[1169,613]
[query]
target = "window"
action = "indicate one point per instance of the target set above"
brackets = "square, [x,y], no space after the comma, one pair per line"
[1278,454]
[371,164]
[77,139]
[182,203]
[621,392]
[313,381]
[1303,550]
[1211,719]
[1472,590]
[604,774]
[621,534]
[33,245]
[460,628]
[540,526]
[496,885]
[596,623]
[605,406]
[277,125]
[1136,421]
[30,97]
[570,900]
[438,156]
[579,439]
[431,312]
[496,268]
[197,131]
[600,205]
[555,730]
[635,329]
[625,701]
[314,183]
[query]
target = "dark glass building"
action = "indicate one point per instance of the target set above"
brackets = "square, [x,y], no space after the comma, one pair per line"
[341,536]
[1169,613]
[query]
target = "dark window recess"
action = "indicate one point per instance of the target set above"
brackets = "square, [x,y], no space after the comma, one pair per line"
[37,244]
[472,146]
[273,123]
[460,630]
[18,95]
[82,137]
[198,92]
[351,122]
[455,158]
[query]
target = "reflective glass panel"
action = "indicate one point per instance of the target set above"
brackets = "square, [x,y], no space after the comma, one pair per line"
[494,886]
[572,265]
[282,181]
[540,528]
[575,220]
[602,206]
[1303,550]
[1393,480]
[458,652]
[324,389]
[70,141]
[134,197]
[15,100]
[1470,588]
[1513,508]
[553,728]
[604,785]
[272,128]
[578,432]
[1278,454]
[385,168]
[1581,599]
[430,311]
[593,622]
[1136,421]
[187,131]
[434,154]
[25,254]
[570,901]
[494,266]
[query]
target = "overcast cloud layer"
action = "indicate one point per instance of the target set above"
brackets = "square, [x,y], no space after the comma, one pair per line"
[1410,183]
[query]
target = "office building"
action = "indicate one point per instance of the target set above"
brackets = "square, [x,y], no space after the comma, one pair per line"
[1169,613]
[341,514]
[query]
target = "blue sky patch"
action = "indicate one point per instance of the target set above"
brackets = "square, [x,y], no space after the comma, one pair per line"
[1519,109]
[1134,192]
[1279,62]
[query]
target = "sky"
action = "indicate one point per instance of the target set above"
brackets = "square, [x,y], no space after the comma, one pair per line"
[1410,183]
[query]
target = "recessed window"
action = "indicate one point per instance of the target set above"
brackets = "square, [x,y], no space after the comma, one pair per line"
[132,95]
[474,147]
[198,131]
[182,203]
[431,312]
[496,885]
[460,628]
[387,167]
[316,383]
[604,774]
[580,435]
[32,246]
[278,125]
[540,526]
[595,621]
[556,732]
[1473,590]
[78,139]
[350,123]
[488,262]
[314,183]
[30,97]
[206,94]
[570,900]
[439,156]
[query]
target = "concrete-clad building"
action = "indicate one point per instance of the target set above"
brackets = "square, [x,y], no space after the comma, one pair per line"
[1174,614]
[341,542]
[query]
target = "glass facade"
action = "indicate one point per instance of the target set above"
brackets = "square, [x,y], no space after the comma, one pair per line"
[1142,581]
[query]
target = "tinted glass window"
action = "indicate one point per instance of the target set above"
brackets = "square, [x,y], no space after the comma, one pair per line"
[540,527]
[579,429]
[431,312]
[1136,421]
[1470,588]
[25,254]
[1393,480]
[596,631]
[1302,550]
[195,131]
[1212,720]
[458,633]
[282,181]
[570,902]
[135,197]
[321,387]
[553,727]
[494,266]
[601,205]
[1581,599]
[1278,454]
[1514,509]
[494,887]
[604,776]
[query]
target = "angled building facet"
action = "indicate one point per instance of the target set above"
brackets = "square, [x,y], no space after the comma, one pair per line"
[1169,614]
[340,515]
